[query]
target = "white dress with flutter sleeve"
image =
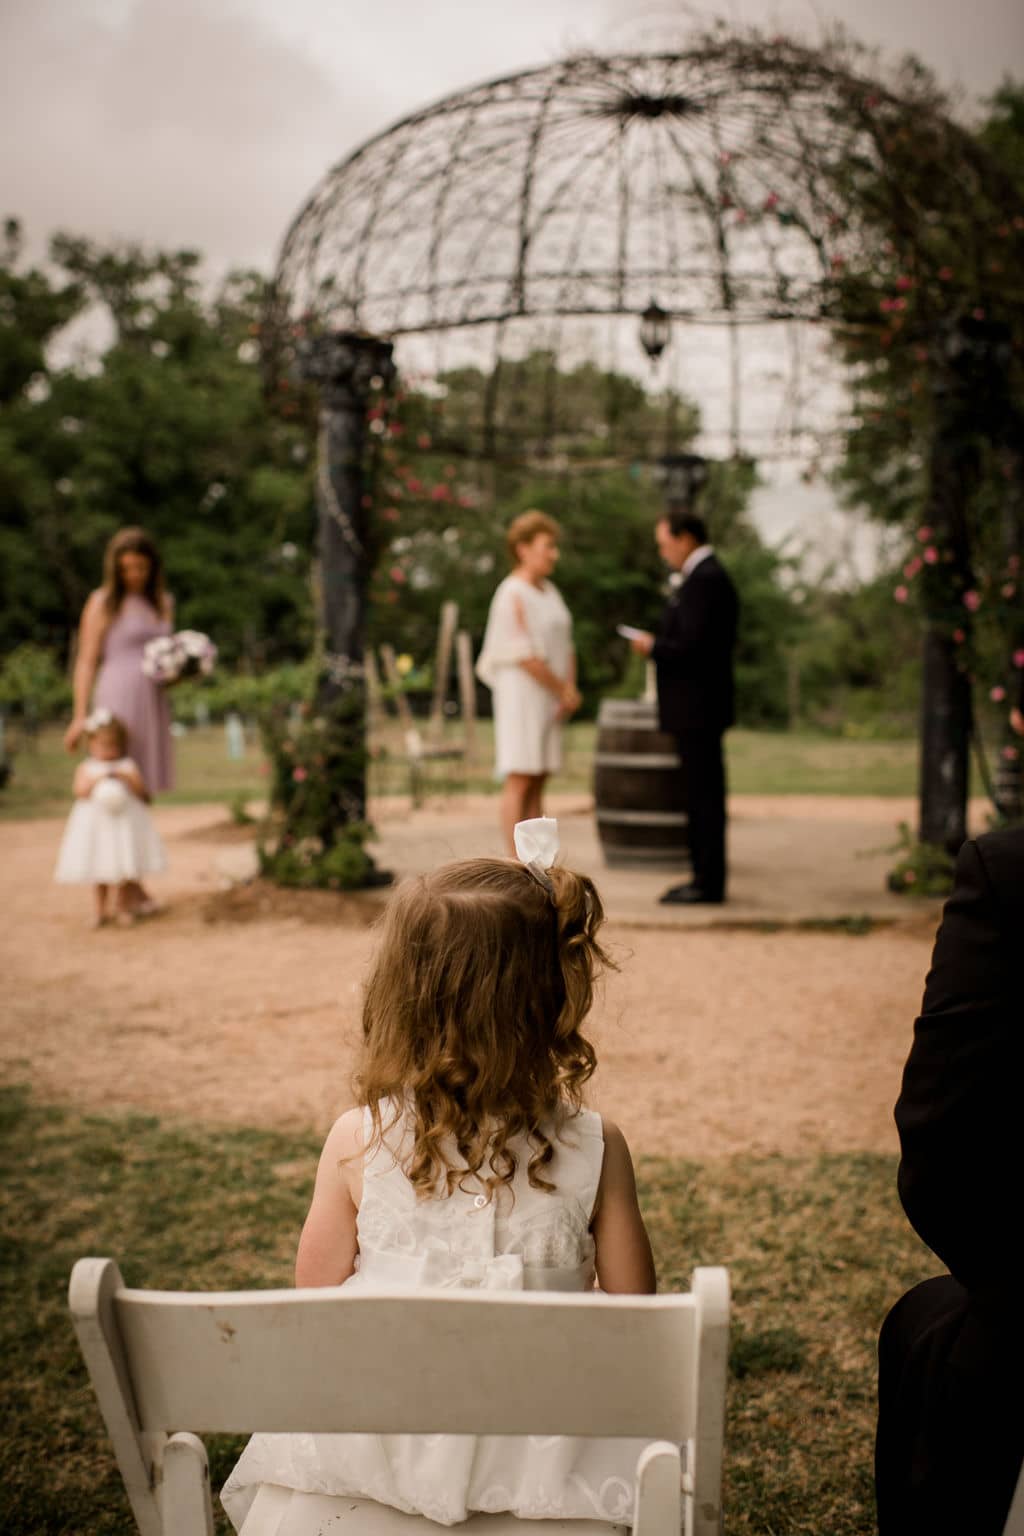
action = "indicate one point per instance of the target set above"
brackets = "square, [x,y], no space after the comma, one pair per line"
[524,1239]
[525,621]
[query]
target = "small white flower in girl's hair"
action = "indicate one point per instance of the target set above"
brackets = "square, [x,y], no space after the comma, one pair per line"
[98,719]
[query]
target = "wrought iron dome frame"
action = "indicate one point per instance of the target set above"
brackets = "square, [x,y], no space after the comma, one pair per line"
[546,207]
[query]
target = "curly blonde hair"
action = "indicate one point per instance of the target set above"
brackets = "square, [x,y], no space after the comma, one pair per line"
[525,528]
[473,1016]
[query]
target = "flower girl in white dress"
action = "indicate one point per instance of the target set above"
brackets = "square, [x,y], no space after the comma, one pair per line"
[471,1163]
[110,838]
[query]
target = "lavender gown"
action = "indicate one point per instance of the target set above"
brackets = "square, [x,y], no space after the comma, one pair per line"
[124,689]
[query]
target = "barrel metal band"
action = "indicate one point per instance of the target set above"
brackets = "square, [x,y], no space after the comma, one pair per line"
[644,818]
[636,760]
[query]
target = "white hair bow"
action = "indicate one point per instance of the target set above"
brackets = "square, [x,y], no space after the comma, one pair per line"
[98,719]
[536,843]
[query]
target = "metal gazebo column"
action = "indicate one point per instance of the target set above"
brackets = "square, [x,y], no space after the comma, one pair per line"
[346,365]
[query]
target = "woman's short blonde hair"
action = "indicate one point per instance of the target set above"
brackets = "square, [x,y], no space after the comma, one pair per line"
[473,1015]
[525,528]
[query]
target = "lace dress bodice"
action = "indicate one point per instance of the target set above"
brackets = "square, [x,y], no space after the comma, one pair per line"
[524,1239]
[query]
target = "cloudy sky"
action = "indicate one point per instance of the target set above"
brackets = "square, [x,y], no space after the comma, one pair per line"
[204,123]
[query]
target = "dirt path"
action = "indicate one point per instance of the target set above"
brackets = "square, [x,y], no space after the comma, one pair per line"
[710,1041]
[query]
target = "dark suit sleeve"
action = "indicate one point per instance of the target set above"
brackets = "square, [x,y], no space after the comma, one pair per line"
[958,1113]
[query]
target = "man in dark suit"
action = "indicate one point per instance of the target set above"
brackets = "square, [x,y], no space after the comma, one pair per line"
[692,652]
[950,1424]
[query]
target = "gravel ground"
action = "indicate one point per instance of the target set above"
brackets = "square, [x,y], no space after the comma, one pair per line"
[243,1006]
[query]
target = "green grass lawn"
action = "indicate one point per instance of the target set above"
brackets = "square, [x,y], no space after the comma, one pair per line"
[760,762]
[817,1250]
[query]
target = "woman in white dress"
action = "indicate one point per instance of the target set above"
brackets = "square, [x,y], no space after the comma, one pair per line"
[529,664]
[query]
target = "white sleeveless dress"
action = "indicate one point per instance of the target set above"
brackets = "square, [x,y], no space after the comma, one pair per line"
[110,836]
[527,731]
[538,1242]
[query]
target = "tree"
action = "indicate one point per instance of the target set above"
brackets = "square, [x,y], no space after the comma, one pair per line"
[167,428]
[933,324]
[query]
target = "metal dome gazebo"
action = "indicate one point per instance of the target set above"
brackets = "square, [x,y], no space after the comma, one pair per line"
[729,186]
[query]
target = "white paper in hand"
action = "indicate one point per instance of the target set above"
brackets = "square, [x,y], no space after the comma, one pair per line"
[629,633]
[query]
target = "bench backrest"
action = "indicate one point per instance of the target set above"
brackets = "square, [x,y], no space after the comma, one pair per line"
[453,1362]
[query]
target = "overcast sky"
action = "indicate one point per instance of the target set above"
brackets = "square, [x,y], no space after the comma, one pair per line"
[205,122]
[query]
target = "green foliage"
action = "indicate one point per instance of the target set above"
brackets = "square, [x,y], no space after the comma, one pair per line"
[167,429]
[859,660]
[33,683]
[245,694]
[308,865]
[922,869]
[317,757]
[238,805]
[583,414]
[772,622]
[932,322]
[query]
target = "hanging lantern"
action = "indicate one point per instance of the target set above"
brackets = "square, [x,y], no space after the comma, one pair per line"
[682,477]
[655,329]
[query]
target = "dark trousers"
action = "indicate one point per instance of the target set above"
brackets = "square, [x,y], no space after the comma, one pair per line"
[950,1426]
[704,773]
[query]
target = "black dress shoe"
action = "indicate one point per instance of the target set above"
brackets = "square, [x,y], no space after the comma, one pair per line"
[689,896]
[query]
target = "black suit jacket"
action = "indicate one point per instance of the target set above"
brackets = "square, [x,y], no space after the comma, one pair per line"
[693,652]
[959,1113]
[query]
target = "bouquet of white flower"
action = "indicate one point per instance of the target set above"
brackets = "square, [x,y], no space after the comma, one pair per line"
[185,654]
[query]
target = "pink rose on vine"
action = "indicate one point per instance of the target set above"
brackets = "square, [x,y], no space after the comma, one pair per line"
[997,694]
[901,594]
[931,555]
[972,600]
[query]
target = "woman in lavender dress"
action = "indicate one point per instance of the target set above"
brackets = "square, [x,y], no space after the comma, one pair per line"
[119,618]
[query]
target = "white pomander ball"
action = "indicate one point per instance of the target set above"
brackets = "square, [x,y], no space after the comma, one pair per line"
[111,794]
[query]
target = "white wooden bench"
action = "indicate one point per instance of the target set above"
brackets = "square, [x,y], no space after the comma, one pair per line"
[167,1366]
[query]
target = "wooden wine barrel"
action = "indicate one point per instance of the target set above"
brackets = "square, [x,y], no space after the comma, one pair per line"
[638,789]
